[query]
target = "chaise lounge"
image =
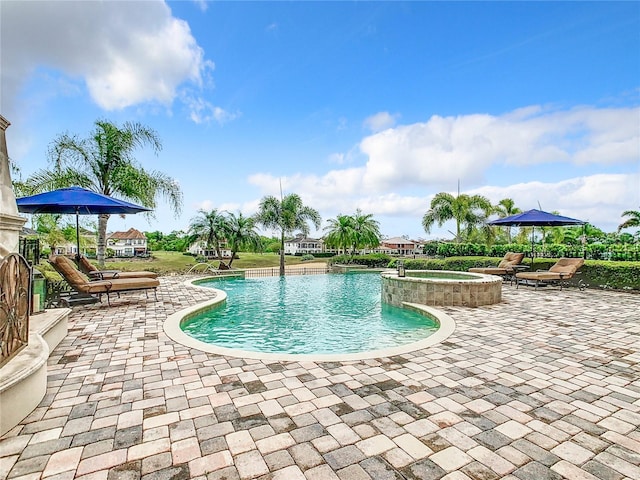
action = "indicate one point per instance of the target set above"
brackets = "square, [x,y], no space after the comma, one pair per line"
[92,271]
[506,268]
[79,281]
[563,270]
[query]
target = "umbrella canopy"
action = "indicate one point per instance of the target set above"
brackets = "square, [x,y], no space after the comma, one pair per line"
[78,201]
[536,218]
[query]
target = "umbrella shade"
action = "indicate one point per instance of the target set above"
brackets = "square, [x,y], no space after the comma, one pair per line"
[536,218]
[78,201]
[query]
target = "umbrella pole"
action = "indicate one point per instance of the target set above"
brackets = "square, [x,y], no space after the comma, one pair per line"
[77,234]
[533,231]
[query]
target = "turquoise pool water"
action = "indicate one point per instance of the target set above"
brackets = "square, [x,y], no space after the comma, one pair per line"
[313,314]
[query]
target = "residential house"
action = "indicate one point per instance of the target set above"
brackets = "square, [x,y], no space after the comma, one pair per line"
[131,243]
[200,248]
[302,245]
[398,246]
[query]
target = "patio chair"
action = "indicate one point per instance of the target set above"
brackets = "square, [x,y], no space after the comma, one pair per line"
[92,271]
[80,283]
[505,269]
[563,270]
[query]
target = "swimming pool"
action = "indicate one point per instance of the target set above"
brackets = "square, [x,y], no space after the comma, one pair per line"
[318,315]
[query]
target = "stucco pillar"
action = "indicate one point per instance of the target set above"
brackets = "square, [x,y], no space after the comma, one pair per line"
[10,222]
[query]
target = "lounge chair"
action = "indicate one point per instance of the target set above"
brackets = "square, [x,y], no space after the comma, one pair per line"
[80,283]
[506,268]
[563,270]
[92,271]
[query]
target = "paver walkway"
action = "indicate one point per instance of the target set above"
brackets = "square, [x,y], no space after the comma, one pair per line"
[545,385]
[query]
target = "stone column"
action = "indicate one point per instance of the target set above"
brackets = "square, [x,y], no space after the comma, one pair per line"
[10,222]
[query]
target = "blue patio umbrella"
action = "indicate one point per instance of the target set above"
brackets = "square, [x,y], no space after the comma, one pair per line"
[535,218]
[78,201]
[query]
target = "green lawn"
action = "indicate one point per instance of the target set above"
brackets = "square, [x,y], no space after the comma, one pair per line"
[176,262]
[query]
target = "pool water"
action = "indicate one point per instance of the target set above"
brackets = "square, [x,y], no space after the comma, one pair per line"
[321,314]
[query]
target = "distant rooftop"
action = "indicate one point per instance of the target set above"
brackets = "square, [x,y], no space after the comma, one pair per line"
[128,235]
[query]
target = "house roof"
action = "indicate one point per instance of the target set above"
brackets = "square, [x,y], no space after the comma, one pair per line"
[398,241]
[130,234]
[28,232]
[303,240]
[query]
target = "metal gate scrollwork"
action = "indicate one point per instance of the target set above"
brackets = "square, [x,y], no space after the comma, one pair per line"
[15,297]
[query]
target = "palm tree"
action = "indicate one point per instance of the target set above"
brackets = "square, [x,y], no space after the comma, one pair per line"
[209,227]
[467,210]
[505,208]
[287,215]
[632,221]
[340,232]
[104,163]
[240,232]
[366,231]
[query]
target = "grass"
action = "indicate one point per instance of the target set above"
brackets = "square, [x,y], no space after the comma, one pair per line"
[175,262]
[166,263]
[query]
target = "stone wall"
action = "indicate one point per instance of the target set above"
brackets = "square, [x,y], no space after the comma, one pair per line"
[10,222]
[482,290]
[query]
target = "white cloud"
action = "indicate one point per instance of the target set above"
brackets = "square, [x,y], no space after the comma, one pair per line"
[205,205]
[445,149]
[202,5]
[599,199]
[202,111]
[127,53]
[431,156]
[380,121]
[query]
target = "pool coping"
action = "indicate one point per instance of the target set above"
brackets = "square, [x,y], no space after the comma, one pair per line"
[172,328]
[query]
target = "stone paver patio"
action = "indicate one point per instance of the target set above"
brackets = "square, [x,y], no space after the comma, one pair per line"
[544,385]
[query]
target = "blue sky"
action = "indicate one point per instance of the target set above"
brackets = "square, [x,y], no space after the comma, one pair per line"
[370,105]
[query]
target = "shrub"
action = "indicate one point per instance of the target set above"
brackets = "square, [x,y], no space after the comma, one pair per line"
[620,275]
[594,273]
[307,256]
[373,260]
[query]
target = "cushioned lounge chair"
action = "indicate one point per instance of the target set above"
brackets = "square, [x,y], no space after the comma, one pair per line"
[79,281]
[505,268]
[563,270]
[92,271]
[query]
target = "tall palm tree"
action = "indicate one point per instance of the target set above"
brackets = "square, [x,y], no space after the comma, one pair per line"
[104,163]
[468,211]
[366,231]
[240,232]
[340,232]
[505,208]
[287,215]
[209,227]
[632,221]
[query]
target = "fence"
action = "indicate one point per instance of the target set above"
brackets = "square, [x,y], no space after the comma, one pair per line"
[29,248]
[275,271]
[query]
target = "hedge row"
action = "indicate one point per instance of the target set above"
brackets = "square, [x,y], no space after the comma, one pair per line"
[594,273]
[373,260]
[623,252]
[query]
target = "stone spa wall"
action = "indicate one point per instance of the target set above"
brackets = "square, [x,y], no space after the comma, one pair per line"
[472,291]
